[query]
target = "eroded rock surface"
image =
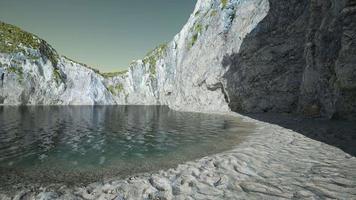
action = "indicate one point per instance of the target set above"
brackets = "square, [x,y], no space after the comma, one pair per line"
[244,55]
[297,59]
[247,56]
[187,73]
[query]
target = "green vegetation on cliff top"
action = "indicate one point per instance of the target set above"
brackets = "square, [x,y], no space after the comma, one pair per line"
[153,56]
[114,74]
[15,40]
[84,65]
[12,38]
[104,74]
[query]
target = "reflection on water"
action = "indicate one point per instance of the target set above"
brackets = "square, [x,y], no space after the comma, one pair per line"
[80,144]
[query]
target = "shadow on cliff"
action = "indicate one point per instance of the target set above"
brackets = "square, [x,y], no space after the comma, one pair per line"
[266,76]
[338,133]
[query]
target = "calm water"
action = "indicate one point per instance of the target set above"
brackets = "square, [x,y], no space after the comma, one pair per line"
[82,144]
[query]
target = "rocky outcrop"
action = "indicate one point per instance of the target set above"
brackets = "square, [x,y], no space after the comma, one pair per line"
[37,81]
[329,81]
[265,75]
[187,73]
[300,58]
[243,55]
[258,56]
[33,73]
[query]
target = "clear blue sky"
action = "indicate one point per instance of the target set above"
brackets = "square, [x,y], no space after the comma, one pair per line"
[105,34]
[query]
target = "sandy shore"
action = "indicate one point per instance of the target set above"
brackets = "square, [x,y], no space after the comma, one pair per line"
[272,163]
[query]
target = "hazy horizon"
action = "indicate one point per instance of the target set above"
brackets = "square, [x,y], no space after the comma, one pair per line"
[105,35]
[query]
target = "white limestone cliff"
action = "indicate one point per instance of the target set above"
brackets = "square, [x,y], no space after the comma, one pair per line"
[243,55]
[187,73]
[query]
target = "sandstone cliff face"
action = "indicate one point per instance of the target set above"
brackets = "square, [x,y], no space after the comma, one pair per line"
[243,55]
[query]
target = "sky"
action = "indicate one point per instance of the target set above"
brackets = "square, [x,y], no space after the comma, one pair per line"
[105,34]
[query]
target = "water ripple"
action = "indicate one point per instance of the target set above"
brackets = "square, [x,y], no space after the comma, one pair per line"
[81,139]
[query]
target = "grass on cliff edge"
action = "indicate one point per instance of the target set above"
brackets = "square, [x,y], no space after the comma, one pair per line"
[114,74]
[13,37]
[15,40]
[104,74]
[153,56]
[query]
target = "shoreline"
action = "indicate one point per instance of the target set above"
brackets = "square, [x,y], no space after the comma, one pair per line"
[272,162]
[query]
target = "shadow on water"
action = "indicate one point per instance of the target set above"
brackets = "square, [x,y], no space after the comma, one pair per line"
[338,133]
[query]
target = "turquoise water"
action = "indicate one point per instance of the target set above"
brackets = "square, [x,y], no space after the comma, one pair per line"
[83,144]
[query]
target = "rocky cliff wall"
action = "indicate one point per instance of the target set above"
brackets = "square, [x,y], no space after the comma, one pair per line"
[243,55]
[300,58]
[187,73]
[31,72]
